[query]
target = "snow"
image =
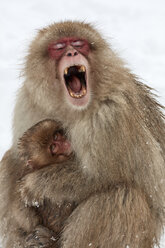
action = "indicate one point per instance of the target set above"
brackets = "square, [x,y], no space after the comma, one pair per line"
[134,28]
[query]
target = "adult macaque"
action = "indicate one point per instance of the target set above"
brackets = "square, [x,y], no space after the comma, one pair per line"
[117,133]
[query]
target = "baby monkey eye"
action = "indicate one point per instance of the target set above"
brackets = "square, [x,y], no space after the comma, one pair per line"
[77,43]
[59,46]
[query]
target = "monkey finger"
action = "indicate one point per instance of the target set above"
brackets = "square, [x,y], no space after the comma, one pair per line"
[43,231]
[41,237]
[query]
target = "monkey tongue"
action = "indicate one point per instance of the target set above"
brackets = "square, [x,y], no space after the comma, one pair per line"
[75,84]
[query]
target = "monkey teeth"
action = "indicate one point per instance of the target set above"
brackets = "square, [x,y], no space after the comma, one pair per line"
[80,68]
[75,81]
[77,95]
[66,71]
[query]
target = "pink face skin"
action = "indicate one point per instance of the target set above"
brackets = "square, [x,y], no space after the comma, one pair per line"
[60,145]
[60,47]
[70,52]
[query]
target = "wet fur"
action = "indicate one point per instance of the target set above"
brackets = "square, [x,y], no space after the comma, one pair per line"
[118,177]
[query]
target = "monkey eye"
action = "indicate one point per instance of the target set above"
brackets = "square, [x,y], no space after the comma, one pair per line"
[59,46]
[77,43]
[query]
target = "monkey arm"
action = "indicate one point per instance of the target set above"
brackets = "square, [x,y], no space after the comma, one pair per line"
[59,182]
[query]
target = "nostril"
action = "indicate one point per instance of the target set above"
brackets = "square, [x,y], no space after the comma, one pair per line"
[69,54]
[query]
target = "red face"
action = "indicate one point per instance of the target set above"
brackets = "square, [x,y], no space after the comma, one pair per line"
[73,67]
[60,47]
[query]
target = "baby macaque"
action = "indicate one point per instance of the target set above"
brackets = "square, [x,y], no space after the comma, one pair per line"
[42,145]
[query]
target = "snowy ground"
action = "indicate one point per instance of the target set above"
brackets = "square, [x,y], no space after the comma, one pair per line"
[136,29]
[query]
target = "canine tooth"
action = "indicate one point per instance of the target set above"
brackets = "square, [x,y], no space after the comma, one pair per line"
[66,71]
[84,91]
[71,94]
[82,68]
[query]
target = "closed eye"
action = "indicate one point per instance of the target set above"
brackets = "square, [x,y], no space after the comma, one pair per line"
[58,46]
[77,43]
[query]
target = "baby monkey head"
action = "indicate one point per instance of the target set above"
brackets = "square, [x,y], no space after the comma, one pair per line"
[43,144]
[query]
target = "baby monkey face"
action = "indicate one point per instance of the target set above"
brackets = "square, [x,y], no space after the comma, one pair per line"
[60,146]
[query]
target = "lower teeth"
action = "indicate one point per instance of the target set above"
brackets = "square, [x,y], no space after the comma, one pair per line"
[77,95]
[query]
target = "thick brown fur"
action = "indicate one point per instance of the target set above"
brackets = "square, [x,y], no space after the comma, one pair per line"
[35,146]
[118,177]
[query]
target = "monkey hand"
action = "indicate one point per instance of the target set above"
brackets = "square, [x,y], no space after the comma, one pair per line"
[40,237]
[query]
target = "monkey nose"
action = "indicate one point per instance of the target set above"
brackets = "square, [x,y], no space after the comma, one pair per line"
[71,53]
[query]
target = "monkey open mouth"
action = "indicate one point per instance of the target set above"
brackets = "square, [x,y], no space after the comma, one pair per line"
[75,81]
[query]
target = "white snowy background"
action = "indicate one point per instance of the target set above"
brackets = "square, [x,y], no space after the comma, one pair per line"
[135,28]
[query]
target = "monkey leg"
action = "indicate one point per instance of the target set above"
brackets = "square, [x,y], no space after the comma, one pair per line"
[120,218]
